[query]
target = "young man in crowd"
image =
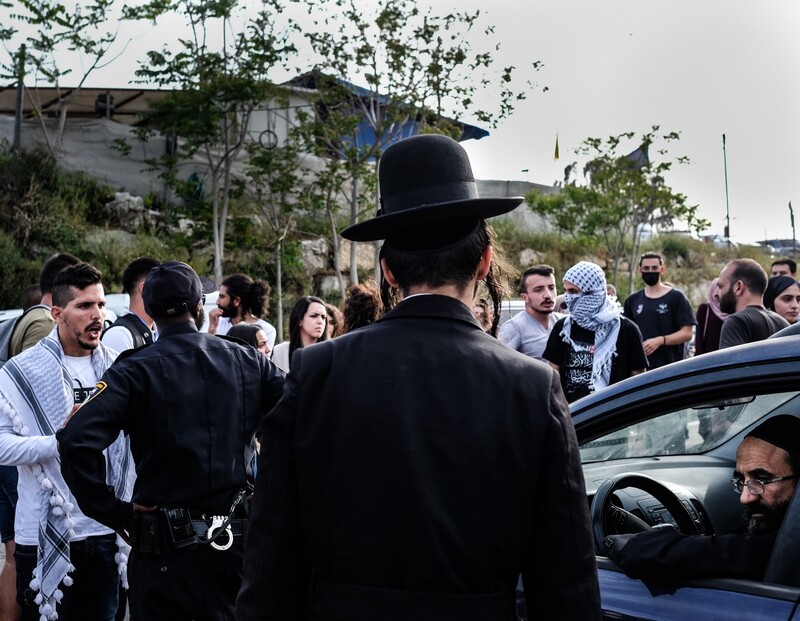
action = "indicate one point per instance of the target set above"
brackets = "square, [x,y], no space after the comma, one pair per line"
[593,346]
[663,314]
[527,332]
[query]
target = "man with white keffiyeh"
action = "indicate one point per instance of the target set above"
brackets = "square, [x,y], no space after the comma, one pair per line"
[68,565]
[594,346]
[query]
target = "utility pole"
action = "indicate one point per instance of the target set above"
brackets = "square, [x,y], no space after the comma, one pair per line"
[20,90]
[794,236]
[727,206]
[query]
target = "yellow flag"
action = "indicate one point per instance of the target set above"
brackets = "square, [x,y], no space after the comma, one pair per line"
[555,154]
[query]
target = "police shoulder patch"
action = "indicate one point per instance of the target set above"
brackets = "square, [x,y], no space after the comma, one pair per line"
[99,387]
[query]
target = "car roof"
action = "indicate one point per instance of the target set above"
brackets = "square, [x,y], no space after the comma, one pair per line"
[747,357]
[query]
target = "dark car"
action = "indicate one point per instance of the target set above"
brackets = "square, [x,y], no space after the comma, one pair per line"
[662,446]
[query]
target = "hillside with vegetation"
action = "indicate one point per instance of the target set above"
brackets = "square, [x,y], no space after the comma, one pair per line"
[44,209]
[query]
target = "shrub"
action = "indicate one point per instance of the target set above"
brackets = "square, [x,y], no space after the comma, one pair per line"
[18,272]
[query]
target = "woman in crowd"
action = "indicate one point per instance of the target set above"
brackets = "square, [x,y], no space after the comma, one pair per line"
[783,297]
[307,324]
[335,322]
[252,334]
[483,313]
[362,306]
[709,323]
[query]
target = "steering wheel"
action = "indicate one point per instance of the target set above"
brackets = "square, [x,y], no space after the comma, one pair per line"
[625,521]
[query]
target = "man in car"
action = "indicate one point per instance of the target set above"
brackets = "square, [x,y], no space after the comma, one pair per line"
[767,466]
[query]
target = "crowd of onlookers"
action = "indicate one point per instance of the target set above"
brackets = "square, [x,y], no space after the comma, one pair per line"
[593,341]
[584,333]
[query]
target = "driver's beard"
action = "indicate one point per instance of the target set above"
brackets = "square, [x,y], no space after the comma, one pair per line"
[768,522]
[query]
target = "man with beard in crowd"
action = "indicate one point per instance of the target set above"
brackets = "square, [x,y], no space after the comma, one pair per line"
[528,332]
[241,299]
[740,291]
[767,466]
[66,566]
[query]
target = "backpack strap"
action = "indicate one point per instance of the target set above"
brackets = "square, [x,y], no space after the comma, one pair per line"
[142,335]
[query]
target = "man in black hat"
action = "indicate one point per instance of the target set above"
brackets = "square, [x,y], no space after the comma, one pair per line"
[767,467]
[454,466]
[190,403]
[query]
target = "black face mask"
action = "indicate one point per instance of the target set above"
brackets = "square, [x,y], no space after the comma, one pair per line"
[651,278]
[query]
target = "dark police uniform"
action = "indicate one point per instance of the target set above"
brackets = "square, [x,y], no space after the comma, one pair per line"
[190,403]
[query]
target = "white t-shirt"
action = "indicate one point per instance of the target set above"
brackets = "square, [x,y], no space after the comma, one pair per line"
[84,378]
[523,333]
[280,356]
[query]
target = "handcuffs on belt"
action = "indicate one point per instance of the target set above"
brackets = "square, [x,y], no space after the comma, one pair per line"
[222,524]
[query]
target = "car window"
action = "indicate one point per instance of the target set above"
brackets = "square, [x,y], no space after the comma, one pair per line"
[694,429]
[509,308]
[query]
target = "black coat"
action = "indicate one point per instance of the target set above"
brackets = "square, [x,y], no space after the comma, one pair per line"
[412,470]
[190,403]
[664,554]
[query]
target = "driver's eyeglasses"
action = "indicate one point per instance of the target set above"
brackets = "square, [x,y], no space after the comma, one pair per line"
[756,486]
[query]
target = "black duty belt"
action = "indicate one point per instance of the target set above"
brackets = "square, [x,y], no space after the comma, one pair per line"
[176,529]
[218,534]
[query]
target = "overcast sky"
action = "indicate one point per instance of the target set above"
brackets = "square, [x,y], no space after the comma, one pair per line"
[699,67]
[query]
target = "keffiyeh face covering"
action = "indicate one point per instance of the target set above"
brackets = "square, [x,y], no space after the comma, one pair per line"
[593,310]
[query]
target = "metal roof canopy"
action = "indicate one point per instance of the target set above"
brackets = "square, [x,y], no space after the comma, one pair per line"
[129,103]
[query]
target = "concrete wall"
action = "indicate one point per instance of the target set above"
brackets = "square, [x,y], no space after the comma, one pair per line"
[522,216]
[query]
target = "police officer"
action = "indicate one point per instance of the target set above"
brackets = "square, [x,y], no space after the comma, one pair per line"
[190,403]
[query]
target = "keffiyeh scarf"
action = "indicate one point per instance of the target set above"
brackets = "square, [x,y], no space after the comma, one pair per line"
[593,310]
[38,405]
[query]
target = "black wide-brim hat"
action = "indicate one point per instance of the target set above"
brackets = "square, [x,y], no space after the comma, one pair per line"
[426,182]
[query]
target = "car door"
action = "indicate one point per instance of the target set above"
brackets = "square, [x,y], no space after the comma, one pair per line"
[753,381]
[624,598]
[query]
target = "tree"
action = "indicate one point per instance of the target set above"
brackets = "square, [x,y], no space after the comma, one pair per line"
[416,67]
[274,177]
[216,91]
[620,195]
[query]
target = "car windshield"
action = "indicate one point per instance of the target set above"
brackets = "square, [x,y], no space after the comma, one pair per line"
[694,429]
